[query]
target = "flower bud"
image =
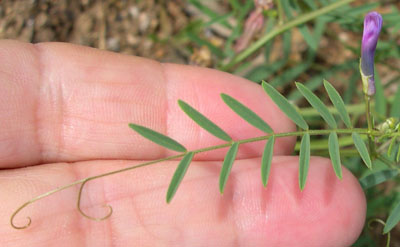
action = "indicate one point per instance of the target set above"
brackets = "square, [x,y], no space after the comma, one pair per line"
[254,24]
[372,28]
[388,126]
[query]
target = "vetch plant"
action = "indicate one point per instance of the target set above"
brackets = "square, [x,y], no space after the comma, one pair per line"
[372,28]
[383,140]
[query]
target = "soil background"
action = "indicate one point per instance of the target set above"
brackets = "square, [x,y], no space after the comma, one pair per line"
[128,27]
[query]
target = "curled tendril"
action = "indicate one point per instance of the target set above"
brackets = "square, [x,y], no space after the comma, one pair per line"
[82,182]
[78,204]
[16,212]
[376,220]
[36,199]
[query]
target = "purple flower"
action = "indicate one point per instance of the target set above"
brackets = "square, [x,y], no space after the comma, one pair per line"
[372,28]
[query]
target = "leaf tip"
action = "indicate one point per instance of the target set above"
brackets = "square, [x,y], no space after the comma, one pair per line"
[386,230]
[264,83]
[222,184]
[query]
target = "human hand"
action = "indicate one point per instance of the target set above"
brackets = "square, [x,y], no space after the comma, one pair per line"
[64,113]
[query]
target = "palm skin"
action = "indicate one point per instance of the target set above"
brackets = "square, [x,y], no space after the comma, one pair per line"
[65,112]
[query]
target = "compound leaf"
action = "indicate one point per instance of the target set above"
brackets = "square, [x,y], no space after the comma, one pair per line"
[247,114]
[317,104]
[285,106]
[227,166]
[204,122]
[158,138]
[178,175]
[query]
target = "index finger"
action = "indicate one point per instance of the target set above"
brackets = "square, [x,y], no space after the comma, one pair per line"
[64,103]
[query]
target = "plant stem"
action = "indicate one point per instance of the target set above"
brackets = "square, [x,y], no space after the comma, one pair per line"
[280,12]
[351,109]
[282,28]
[371,139]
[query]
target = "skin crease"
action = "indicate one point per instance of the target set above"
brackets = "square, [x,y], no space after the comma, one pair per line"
[65,111]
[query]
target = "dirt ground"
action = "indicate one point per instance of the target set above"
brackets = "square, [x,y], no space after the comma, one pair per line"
[129,27]
[134,27]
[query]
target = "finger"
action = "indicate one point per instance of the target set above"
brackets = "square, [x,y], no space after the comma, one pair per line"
[61,102]
[246,214]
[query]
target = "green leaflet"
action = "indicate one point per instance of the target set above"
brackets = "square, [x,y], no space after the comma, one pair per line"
[227,166]
[362,149]
[391,145]
[317,104]
[393,219]
[204,122]
[158,138]
[285,106]
[398,154]
[245,113]
[377,177]
[337,101]
[304,160]
[178,175]
[334,153]
[308,37]
[266,160]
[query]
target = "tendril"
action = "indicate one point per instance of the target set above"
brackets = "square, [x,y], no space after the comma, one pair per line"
[82,182]
[78,204]
[370,222]
[16,212]
[36,199]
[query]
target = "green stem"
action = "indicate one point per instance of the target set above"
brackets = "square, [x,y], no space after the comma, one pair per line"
[371,140]
[280,12]
[351,109]
[282,28]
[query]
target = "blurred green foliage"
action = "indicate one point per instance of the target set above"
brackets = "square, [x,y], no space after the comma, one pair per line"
[313,66]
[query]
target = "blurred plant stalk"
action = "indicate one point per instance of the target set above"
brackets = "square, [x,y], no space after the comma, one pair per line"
[280,29]
[372,28]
